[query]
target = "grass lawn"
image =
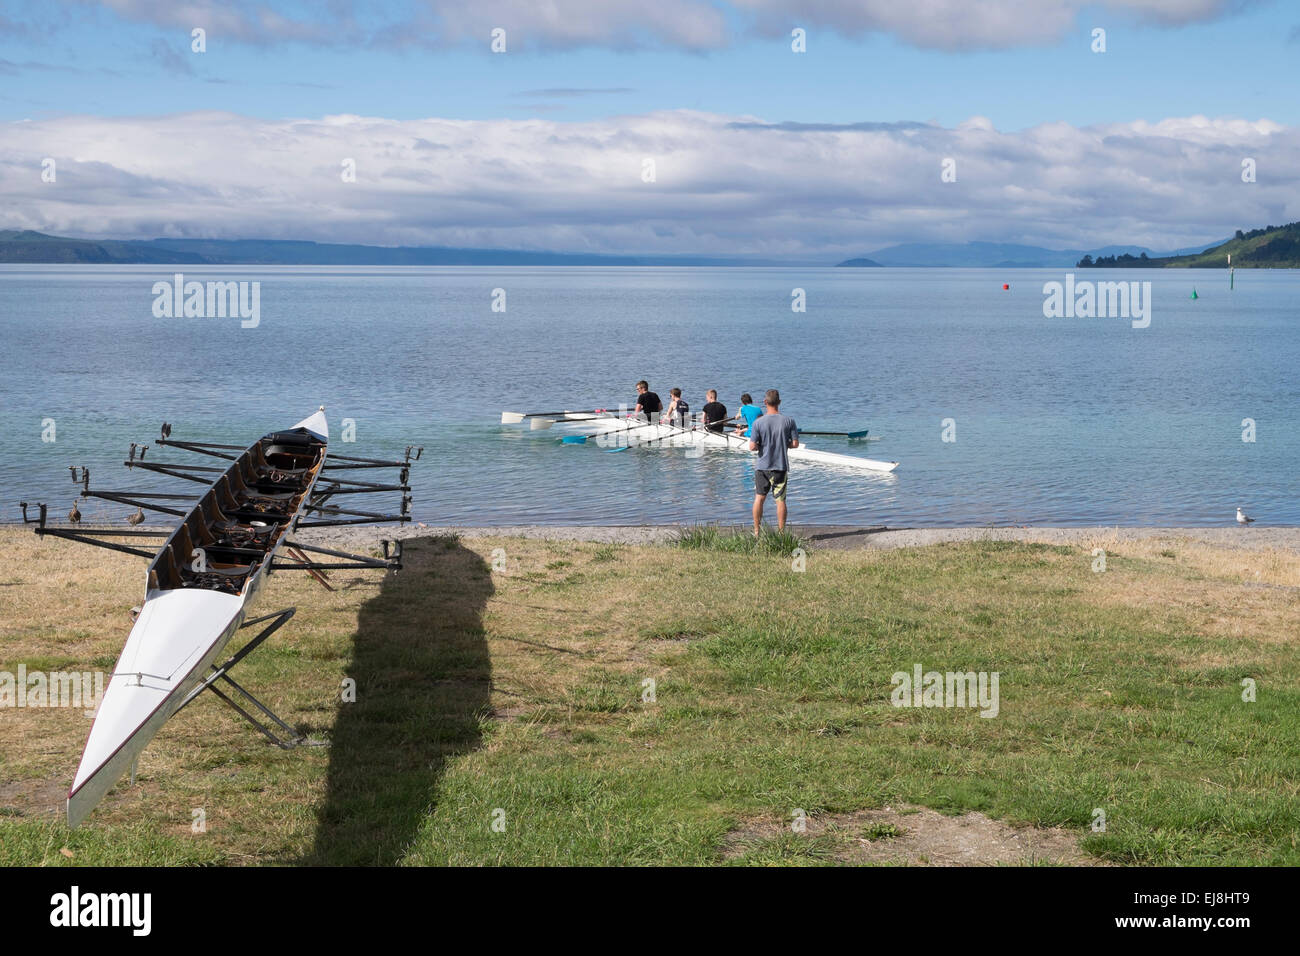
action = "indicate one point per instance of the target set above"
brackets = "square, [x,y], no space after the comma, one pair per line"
[506,716]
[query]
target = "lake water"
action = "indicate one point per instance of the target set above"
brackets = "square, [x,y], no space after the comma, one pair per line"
[1063,421]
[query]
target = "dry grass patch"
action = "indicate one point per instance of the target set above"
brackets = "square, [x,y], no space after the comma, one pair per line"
[907,836]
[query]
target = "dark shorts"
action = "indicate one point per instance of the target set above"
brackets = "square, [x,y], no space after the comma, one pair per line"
[772,482]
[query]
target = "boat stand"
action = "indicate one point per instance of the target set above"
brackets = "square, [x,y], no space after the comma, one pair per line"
[293,738]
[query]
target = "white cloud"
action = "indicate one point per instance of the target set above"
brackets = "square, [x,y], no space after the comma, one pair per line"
[684,24]
[974,24]
[688,24]
[725,184]
[246,21]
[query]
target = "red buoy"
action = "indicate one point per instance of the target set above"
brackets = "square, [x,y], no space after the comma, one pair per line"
[1005,287]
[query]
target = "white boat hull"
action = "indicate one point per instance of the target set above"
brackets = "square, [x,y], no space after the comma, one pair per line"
[613,431]
[174,642]
[176,638]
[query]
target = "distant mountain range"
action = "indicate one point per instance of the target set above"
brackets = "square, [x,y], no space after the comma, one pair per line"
[994,255]
[1270,246]
[1273,247]
[36,247]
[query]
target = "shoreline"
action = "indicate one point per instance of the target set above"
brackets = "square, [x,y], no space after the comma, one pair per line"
[828,537]
[837,537]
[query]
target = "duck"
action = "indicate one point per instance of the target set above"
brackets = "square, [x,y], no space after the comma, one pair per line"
[135,518]
[74,515]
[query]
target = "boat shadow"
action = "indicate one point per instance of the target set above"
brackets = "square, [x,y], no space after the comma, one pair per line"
[423,683]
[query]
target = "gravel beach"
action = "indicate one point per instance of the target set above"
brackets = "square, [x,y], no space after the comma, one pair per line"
[830,537]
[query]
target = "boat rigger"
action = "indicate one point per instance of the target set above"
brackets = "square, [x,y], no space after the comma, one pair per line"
[207,572]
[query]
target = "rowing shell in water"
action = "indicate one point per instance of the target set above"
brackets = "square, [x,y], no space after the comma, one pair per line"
[196,593]
[618,431]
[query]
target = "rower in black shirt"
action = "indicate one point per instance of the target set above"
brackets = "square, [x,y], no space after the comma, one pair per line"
[715,413]
[648,405]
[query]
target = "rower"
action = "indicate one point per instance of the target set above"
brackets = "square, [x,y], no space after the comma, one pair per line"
[648,405]
[749,412]
[679,412]
[715,413]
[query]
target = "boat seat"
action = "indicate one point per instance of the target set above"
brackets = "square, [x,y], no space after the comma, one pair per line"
[266,485]
[276,456]
[245,516]
[220,577]
[280,477]
[242,534]
[278,505]
[234,560]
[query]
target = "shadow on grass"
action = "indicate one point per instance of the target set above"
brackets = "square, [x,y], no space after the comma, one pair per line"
[423,681]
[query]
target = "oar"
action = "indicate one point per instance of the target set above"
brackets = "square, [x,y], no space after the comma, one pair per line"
[583,439]
[676,428]
[514,418]
[851,436]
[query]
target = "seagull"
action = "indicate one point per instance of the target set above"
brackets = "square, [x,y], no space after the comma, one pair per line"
[74,515]
[135,518]
[1243,518]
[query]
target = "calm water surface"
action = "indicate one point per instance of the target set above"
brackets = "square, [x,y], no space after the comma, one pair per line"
[1058,421]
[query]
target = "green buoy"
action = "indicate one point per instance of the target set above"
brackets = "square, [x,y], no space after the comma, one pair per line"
[1194,295]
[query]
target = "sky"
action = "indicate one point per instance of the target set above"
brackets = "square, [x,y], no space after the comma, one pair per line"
[665,127]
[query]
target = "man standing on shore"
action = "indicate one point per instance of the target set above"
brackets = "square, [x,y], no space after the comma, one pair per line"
[770,436]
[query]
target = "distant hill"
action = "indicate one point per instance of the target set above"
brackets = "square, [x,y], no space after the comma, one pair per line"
[1273,247]
[36,247]
[970,255]
[997,255]
[859,263]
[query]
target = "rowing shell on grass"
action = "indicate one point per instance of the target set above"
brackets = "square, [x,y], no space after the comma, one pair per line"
[196,593]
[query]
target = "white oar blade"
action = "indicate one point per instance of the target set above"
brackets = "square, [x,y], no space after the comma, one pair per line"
[539,424]
[512,418]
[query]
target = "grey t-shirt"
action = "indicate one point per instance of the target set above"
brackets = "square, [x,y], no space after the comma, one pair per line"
[773,433]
